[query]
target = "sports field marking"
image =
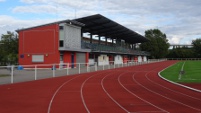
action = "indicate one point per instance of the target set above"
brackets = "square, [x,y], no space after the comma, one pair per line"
[171,89]
[111,96]
[175,82]
[181,71]
[162,110]
[81,90]
[184,72]
[149,112]
[55,93]
[165,96]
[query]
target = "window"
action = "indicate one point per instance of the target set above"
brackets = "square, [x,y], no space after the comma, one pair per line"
[37,58]
[61,43]
[61,27]
[61,57]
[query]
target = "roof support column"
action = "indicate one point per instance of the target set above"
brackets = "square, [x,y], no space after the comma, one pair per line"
[105,40]
[91,38]
[130,46]
[135,46]
[81,35]
[99,39]
[112,41]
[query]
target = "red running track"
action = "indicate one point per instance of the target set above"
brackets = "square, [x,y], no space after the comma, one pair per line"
[122,90]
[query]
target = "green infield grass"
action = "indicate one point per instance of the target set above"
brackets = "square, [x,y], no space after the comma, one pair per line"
[184,72]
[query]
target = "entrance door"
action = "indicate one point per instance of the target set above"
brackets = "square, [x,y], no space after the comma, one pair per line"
[72,60]
[81,58]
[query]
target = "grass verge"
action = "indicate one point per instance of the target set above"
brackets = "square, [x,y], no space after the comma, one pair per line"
[192,72]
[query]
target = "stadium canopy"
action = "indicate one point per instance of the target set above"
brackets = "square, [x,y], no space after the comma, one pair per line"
[102,26]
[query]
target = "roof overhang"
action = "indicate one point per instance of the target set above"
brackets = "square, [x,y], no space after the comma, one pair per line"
[72,22]
[102,26]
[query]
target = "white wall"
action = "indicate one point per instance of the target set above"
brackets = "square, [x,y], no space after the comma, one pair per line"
[103,60]
[91,61]
[145,58]
[139,58]
[118,59]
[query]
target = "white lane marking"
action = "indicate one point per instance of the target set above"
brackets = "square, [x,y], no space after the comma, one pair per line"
[139,97]
[172,90]
[81,90]
[182,69]
[111,96]
[165,96]
[55,93]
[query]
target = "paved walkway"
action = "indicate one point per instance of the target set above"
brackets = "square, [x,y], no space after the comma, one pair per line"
[32,74]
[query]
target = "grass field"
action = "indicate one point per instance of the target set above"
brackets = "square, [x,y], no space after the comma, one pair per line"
[192,72]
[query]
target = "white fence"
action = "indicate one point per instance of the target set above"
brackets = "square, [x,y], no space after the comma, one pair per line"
[184,58]
[22,73]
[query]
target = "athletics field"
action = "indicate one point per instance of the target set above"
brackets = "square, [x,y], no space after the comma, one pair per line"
[184,72]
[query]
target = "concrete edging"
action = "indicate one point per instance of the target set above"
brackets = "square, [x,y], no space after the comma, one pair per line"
[190,88]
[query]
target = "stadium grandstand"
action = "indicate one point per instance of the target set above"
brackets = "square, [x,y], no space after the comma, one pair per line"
[89,39]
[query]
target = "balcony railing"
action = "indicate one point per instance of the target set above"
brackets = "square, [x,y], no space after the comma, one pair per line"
[112,49]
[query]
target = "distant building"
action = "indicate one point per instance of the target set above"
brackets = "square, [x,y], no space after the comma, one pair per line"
[65,42]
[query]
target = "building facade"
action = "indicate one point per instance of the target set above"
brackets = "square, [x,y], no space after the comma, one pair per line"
[64,42]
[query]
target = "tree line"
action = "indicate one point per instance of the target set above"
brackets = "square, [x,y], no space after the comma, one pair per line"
[9,48]
[158,46]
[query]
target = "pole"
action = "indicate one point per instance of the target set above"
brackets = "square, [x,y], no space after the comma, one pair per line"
[53,69]
[35,72]
[87,67]
[12,68]
[96,66]
[67,71]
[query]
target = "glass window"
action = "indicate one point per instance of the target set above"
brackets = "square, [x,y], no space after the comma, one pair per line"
[61,43]
[61,27]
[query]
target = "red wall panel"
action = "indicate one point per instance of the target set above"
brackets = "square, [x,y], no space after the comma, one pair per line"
[41,40]
[68,57]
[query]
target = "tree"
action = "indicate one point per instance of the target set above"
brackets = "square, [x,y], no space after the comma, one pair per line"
[9,48]
[181,52]
[157,45]
[197,47]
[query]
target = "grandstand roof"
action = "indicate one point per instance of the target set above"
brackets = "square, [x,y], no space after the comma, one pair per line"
[102,26]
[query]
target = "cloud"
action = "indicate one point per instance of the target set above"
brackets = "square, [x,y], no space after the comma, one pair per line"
[34,1]
[15,23]
[2,0]
[178,19]
[35,9]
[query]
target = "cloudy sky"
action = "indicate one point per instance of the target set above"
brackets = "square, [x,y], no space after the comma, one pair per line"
[180,20]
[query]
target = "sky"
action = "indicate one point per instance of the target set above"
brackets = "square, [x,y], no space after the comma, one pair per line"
[180,20]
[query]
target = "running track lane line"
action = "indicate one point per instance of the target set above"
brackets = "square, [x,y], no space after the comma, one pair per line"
[165,96]
[111,96]
[81,90]
[171,89]
[139,97]
[52,99]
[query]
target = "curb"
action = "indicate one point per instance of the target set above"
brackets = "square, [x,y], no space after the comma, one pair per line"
[190,88]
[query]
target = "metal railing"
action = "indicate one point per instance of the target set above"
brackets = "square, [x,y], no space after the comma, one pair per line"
[184,58]
[108,48]
[22,73]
